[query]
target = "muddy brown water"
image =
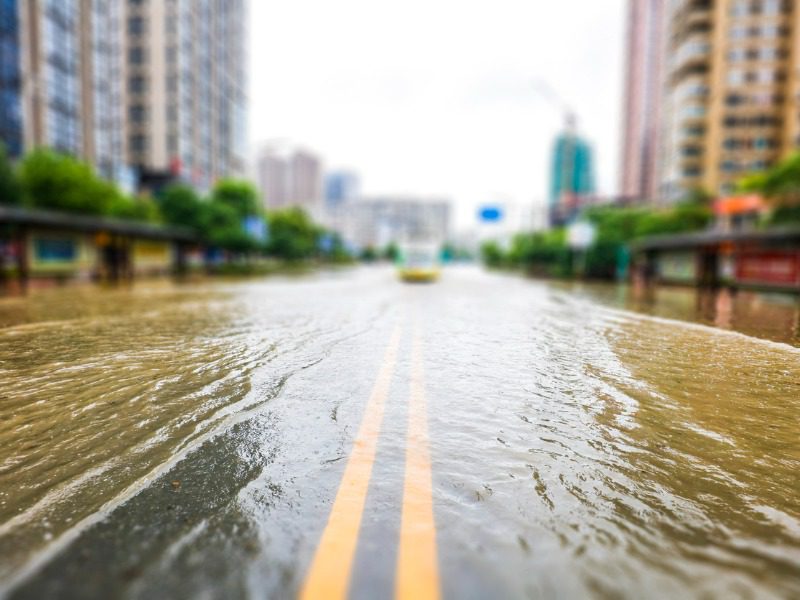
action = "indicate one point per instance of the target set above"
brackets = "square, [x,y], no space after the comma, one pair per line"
[185,440]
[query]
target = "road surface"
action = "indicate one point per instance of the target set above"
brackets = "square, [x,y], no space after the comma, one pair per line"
[344,434]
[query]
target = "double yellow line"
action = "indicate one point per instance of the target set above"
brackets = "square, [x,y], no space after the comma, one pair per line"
[417,566]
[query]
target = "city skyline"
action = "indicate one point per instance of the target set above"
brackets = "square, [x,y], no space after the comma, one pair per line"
[453,114]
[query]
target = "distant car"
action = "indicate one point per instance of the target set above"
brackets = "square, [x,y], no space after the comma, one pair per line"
[419,263]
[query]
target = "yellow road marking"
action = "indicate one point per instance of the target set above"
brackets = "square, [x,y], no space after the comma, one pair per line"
[417,563]
[329,575]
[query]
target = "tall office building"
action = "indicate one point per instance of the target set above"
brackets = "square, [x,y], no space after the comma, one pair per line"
[185,80]
[732,104]
[643,95]
[572,171]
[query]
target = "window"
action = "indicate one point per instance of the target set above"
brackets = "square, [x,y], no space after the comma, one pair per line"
[136,25]
[138,143]
[736,77]
[136,55]
[137,84]
[137,113]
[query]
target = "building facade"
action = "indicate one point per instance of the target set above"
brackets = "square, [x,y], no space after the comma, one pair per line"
[185,88]
[290,179]
[273,179]
[60,84]
[340,187]
[306,179]
[52,65]
[153,85]
[572,168]
[377,222]
[642,99]
[11,131]
[732,104]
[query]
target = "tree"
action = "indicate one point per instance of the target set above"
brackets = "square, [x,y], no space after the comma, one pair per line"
[492,254]
[135,209]
[60,182]
[390,252]
[10,189]
[240,195]
[780,185]
[292,235]
[180,205]
[222,227]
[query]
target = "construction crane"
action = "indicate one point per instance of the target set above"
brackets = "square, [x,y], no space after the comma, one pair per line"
[547,92]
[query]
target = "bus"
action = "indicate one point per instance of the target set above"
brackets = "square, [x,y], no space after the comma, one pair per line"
[419,262]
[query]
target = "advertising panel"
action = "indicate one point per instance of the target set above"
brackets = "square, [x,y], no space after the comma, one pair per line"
[776,267]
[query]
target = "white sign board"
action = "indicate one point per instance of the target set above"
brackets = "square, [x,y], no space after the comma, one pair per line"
[580,235]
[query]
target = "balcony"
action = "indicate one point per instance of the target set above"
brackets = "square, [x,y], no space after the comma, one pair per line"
[692,52]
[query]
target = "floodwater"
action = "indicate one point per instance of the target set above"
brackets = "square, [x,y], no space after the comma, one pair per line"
[189,440]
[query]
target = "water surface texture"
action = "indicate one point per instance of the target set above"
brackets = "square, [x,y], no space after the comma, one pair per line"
[188,440]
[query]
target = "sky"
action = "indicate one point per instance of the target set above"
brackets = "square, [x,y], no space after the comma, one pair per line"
[438,97]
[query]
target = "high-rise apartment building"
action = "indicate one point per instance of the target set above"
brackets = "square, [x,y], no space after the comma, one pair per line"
[158,85]
[273,179]
[290,179]
[185,88]
[11,131]
[306,179]
[60,83]
[732,104]
[643,95]
[51,65]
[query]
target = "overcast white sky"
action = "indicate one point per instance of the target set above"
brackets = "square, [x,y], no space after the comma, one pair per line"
[434,97]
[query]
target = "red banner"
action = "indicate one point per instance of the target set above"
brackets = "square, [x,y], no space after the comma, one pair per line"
[775,267]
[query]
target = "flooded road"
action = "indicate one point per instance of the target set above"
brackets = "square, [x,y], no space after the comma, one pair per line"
[483,437]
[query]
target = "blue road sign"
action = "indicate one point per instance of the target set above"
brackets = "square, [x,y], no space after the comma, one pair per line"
[490,214]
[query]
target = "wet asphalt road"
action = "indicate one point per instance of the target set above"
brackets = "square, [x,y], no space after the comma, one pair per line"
[482,437]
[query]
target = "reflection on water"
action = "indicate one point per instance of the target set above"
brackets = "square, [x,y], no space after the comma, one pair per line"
[769,315]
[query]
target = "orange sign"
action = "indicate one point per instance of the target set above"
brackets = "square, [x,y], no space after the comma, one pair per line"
[736,205]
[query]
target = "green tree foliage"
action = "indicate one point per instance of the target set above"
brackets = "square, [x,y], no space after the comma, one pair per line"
[221,226]
[59,182]
[785,215]
[292,235]
[780,185]
[180,205]
[547,253]
[53,181]
[390,252]
[10,189]
[56,181]
[239,195]
[542,253]
[683,217]
[369,254]
[492,254]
